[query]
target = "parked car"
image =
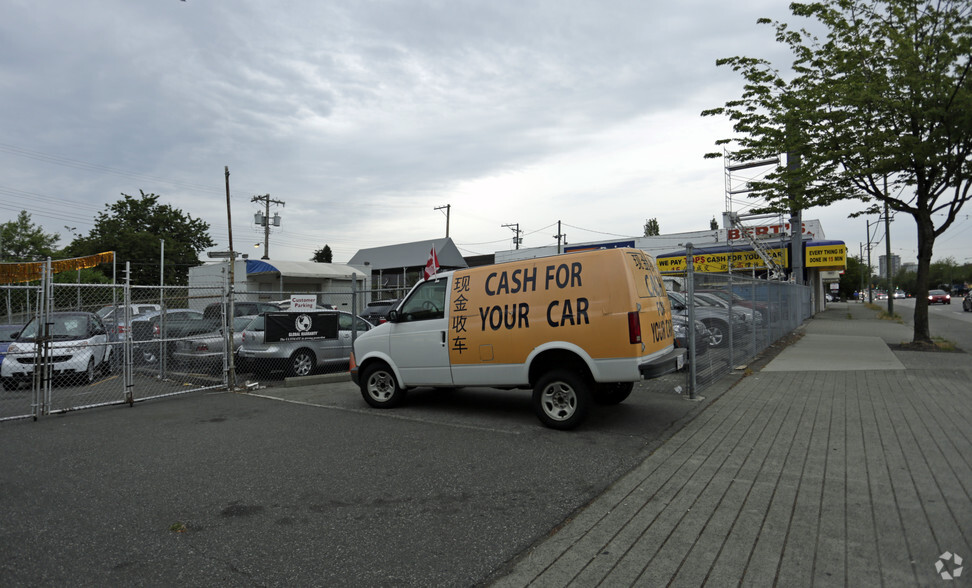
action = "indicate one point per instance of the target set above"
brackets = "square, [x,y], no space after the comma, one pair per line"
[79,349]
[376,312]
[967,303]
[939,297]
[298,357]
[7,334]
[145,331]
[750,316]
[716,320]
[206,351]
[768,311]
[680,329]
[114,317]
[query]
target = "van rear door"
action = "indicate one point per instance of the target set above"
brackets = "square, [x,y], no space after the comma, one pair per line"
[418,338]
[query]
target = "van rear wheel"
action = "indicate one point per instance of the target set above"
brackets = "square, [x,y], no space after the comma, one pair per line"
[612,393]
[379,388]
[561,399]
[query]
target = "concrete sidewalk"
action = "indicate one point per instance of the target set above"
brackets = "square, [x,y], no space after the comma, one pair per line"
[840,462]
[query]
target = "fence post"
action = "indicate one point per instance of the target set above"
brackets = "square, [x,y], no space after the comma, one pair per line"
[690,298]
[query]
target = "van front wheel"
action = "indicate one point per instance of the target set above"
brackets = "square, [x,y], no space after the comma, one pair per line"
[379,388]
[561,399]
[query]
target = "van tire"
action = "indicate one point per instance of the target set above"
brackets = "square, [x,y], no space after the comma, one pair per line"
[612,393]
[561,399]
[379,388]
[301,363]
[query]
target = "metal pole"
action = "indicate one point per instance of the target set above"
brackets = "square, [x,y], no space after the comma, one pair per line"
[690,300]
[887,256]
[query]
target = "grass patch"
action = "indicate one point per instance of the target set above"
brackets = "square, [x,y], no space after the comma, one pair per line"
[883,315]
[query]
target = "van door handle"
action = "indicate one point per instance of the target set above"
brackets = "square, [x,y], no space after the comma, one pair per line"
[443,339]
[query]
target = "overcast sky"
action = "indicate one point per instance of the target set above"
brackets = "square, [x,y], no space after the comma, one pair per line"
[365,117]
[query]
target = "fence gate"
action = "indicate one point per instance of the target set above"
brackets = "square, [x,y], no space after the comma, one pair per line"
[88,345]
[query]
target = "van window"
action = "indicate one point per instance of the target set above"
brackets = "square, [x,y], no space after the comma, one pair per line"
[427,302]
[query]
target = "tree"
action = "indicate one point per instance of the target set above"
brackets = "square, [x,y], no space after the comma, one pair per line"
[322,255]
[22,240]
[714,224]
[880,112]
[134,229]
[651,228]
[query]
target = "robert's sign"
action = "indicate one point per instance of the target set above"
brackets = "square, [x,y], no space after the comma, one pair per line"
[296,326]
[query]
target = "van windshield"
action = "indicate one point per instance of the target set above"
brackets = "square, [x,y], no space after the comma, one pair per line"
[426,302]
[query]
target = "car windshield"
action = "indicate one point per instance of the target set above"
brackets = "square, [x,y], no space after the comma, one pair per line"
[937,292]
[62,327]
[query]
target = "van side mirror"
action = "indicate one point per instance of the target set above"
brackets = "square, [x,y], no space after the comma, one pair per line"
[393,316]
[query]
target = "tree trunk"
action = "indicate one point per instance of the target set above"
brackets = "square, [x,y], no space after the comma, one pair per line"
[926,241]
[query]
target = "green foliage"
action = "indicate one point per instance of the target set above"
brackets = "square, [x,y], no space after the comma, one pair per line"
[651,228]
[323,255]
[879,111]
[714,224]
[134,229]
[22,240]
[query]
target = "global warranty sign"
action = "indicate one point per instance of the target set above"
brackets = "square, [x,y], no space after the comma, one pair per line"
[297,326]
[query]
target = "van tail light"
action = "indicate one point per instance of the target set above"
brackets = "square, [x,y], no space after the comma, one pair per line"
[634,328]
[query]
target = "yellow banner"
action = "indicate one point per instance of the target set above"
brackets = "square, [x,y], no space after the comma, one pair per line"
[829,257]
[719,262]
[12,273]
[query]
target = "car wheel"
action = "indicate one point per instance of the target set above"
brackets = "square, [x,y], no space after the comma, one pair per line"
[612,393]
[379,388]
[106,363]
[561,399]
[717,333]
[89,374]
[301,363]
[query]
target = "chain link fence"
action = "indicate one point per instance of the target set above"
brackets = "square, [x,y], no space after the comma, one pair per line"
[735,318]
[75,346]
[87,345]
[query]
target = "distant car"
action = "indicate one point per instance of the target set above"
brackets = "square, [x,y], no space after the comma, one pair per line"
[680,330]
[939,297]
[376,312]
[145,330]
[114,317]
[79,349]
[7,335]
[206,351]
[967,303]
[899,294]
[298,357]
[716,319]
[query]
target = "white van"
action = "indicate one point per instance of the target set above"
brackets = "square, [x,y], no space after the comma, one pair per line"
[576,329]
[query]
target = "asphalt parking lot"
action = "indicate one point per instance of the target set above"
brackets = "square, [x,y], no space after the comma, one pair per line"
[305,486]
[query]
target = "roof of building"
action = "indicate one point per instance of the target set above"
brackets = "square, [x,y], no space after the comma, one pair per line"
[301,269]
[414,254]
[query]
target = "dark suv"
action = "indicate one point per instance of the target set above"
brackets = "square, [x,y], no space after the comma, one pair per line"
[377,311]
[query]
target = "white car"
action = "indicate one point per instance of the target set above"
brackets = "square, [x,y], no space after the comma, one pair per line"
[79,350]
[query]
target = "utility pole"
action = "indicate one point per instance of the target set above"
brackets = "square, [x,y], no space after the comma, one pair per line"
[231,366]
[560,236]
[516,232]
[265,221]
[887,256]
[870,291]
[447,208]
